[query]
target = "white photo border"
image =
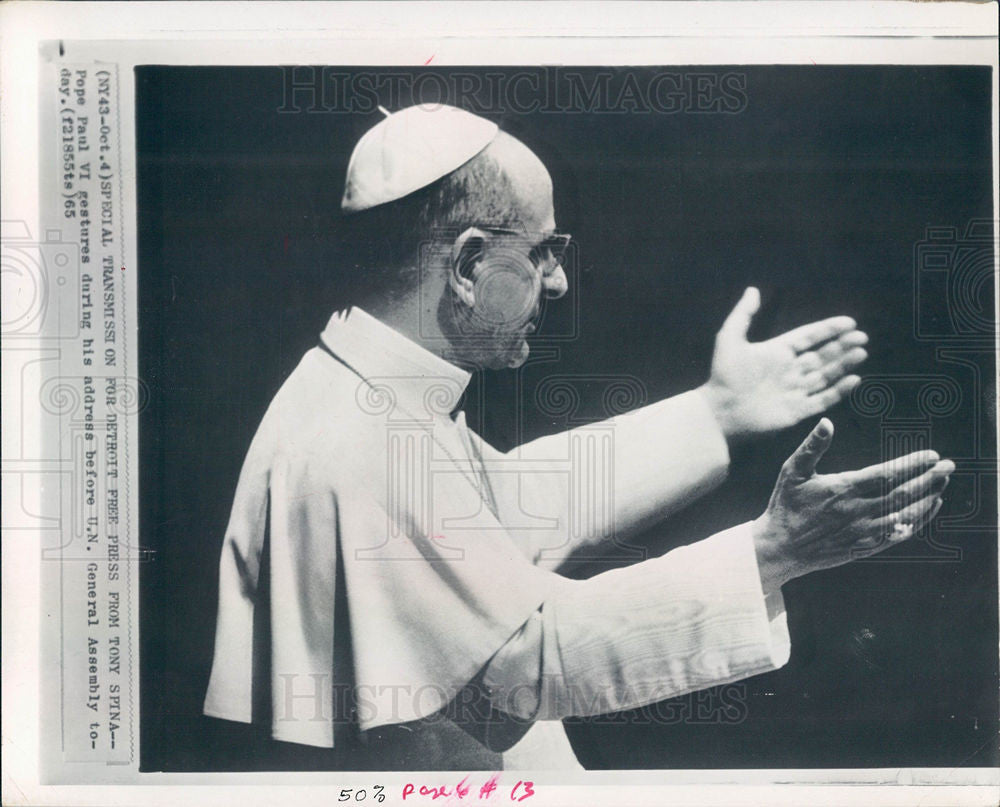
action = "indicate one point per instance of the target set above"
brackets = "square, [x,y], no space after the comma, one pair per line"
[204,33]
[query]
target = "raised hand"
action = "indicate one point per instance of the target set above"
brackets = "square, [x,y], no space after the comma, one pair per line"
[817,521]
[760,387]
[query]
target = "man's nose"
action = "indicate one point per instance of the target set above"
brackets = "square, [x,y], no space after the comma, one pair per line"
[554,283]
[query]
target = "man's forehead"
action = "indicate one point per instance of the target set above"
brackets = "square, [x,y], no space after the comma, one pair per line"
[529,179]
[534,208]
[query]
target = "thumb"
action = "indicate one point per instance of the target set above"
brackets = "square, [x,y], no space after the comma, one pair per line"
[738,322]
[802,464]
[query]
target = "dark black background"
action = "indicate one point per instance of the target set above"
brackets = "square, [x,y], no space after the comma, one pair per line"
[817,192]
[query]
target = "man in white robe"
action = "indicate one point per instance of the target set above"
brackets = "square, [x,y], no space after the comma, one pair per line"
[389,584]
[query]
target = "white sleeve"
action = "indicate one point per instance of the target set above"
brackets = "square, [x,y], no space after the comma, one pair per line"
[694,618]
[611,478]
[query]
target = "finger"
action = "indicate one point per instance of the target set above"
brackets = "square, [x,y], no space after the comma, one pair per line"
[870,545]
[897,527]
[830,352]
[831,396]
[932,482]
[886,475]
[804,337]
[830,374]
[738,322]
[835,349]
[802,463]
[808,362]
[835,370]
[910,519]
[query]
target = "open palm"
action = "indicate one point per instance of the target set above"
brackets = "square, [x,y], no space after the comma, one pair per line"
[762,387]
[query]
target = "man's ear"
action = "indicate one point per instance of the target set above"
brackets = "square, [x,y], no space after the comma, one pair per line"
[466,253]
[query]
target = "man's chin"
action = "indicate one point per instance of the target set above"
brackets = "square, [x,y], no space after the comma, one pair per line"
[516,357]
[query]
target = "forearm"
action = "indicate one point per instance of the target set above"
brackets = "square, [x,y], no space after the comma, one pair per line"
[695,618]
[634,470]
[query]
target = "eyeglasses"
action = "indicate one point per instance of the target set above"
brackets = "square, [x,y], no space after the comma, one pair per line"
[554,244]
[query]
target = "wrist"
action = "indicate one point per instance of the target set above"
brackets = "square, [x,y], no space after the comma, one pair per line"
[720,405]
[772,565]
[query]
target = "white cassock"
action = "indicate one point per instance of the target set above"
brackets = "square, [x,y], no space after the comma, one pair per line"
[406,558]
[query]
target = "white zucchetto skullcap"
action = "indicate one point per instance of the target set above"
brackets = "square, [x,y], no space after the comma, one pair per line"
[409,150]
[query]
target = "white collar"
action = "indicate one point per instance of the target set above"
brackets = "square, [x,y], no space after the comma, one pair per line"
[386,359]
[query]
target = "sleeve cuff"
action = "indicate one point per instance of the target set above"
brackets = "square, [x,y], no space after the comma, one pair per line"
[697,617]
[732,554]
[781,644]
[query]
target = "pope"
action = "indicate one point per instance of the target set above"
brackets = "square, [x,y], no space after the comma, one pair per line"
[390,594]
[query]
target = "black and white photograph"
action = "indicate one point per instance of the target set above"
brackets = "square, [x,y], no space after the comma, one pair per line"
[688,488]
[462,412]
